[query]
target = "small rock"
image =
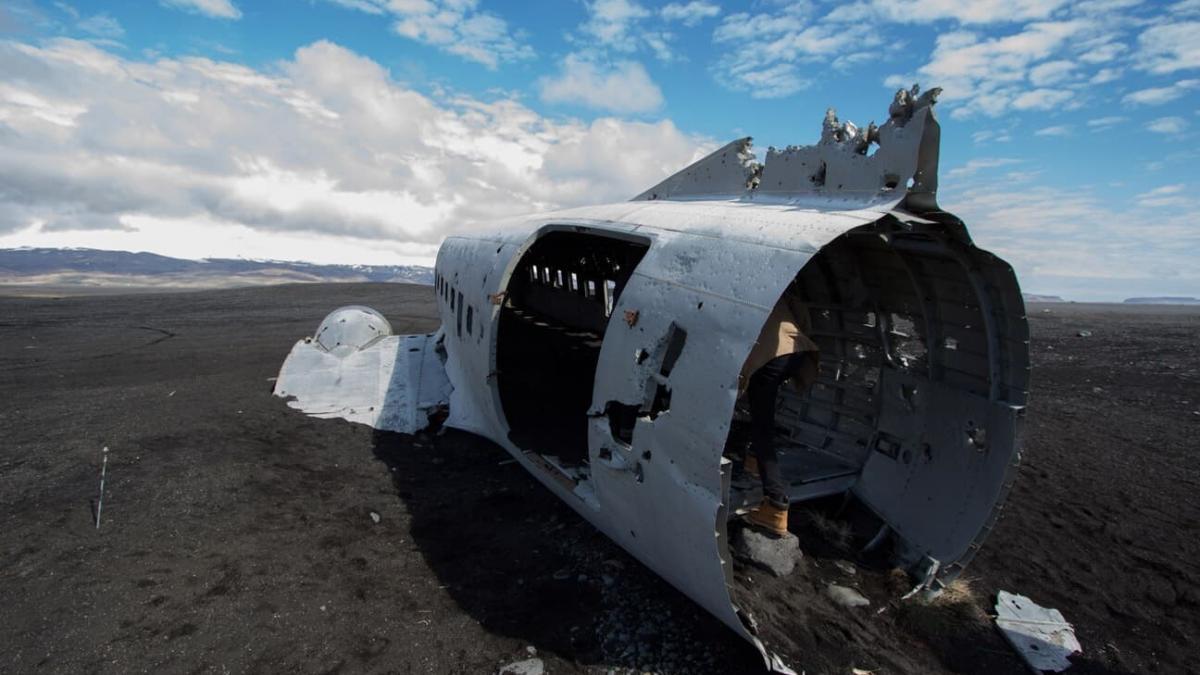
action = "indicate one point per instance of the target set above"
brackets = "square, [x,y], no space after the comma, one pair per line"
[375,517]
[846,567]
[777,555]
[1084,333]
[1097,390]
[846,597]
[531,650]
[526,667]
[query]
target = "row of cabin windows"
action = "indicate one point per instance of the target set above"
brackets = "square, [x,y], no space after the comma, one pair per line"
[606,290]
[447,294]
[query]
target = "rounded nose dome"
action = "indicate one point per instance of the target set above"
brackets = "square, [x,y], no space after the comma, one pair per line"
[349,329]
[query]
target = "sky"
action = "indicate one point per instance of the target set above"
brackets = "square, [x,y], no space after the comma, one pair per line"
[366,131]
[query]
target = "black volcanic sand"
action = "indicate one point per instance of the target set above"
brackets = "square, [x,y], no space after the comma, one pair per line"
[238,535]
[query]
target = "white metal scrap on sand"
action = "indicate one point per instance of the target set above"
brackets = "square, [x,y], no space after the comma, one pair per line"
[654,304]
[1040,635]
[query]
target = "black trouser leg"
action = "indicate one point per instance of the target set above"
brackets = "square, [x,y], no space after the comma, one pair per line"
[763,390]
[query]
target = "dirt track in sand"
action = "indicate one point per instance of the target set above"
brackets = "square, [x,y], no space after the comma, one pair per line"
[238,535]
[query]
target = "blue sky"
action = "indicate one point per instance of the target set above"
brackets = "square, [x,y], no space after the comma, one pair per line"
[367,130]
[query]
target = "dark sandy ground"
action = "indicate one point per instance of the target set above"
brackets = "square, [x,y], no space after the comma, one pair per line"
[238,535]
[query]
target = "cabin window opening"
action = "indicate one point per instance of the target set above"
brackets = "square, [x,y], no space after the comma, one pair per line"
[460,313]
[470,318]
[906,344]
[550,330]
[533,273]
[451,299]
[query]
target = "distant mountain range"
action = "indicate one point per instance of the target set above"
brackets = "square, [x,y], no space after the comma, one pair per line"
[1034,297]
[90,267]
[1165,300]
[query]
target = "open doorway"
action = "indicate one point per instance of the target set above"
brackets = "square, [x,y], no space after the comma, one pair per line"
[556,308]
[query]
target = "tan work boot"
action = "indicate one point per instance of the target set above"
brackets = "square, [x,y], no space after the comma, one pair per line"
[769,517]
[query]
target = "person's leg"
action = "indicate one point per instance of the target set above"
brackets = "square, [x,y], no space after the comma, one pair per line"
[763,391]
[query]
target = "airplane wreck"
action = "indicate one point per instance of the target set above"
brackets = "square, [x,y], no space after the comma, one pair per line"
[601,347]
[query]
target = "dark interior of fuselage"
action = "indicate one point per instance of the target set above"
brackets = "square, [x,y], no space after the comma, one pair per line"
[557,305]
[896,316]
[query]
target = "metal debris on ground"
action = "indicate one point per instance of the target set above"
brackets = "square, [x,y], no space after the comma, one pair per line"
[1084,333]
[100,499]
[1040,635]
[375,517]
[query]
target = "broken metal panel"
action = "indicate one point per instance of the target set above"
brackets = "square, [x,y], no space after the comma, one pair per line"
[939,462]
[730,170]
[393,382]
[840,166]
[1040,635]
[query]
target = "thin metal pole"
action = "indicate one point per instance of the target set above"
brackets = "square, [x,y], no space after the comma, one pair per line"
[100,501]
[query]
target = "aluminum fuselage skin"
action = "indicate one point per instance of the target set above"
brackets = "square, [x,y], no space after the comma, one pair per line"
[715,267]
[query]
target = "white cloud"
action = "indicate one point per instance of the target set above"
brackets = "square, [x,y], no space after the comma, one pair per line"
[1102,123]
[1070,242]
[1169,47]
[1185,8]
[612,23]
[1041,99]
[454,26]
[102,26]
[322,147]
[770,54]
[1101,53]
[622,87]
[986,75]
[1051,72]
[1168,196]
[690,14]
[964,11]
[1160,95]
[1167,125]
[1057,130]
[217,9]
[991,136]
[978,164]
[1106,75]
[625,26]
